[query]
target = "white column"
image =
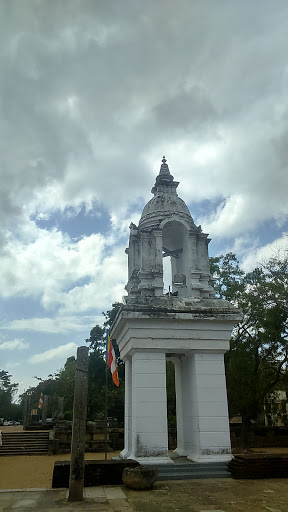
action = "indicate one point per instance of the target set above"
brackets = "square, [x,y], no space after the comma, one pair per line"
[128,410]
[180,450]
[190,406]
[210,435]
[149,408]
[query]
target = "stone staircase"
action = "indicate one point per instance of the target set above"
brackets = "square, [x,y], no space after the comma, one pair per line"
[24,443]
[192,470]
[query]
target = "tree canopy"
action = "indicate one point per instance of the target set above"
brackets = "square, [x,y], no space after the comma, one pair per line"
[61,383]
[8,409]
[256,364]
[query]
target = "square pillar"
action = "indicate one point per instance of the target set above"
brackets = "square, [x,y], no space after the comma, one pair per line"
[180,407]
[209,432]
[128,410]
[149,434]
[186,406]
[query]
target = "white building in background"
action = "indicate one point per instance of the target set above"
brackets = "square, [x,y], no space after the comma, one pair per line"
[188,325]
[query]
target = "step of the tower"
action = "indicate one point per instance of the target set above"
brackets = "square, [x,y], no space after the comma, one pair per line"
[194,470]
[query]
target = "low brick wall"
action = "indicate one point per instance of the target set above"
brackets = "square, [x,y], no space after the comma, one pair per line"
[258,437]
[61,435]
[254,466]
[261,437]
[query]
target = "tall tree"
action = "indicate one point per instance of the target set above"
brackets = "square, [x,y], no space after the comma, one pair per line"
[97,368]
[7,391]
[256,362]
[228,276]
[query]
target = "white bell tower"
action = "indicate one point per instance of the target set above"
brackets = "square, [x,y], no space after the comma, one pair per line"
[188,325]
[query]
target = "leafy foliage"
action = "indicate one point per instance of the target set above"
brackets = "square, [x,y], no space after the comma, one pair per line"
[97,369]
[228,276]
[61,384]
[256,364]
[8,410]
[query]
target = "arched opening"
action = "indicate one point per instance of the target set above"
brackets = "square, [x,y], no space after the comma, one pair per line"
[167,275]
[175,244]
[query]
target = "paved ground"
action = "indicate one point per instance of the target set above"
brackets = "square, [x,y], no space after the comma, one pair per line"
[211,495]
[100,499]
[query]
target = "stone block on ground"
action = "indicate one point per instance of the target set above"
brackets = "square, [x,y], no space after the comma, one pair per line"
[140,478]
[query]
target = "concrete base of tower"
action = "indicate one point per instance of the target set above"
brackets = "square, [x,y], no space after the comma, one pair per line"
[210,458]
[151,460]
[179,452]
[124,454]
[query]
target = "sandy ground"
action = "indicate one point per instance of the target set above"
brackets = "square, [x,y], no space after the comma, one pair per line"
[34,471]
[16,428]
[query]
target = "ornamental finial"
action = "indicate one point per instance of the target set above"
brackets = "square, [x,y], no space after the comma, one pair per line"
[164,169]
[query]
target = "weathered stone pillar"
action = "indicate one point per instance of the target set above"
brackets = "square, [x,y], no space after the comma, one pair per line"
[77,466]
[45,409]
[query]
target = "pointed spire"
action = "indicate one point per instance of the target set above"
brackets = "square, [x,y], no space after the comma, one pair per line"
[165,181]
[164,169]
[164,174]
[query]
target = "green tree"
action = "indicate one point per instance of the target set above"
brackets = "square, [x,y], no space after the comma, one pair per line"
[171,394]
[98,335]
[97,369]
[7,391]
[228,276]
[59,384]
[256,362]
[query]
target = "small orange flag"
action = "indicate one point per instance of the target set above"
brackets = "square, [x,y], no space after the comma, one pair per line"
[111,361]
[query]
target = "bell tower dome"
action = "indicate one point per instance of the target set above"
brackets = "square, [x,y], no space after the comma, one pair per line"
[166,229]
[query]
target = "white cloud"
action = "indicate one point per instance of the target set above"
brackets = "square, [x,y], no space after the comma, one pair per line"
[16,344]
[254,258]
[57,325]
[55,353]
[11,365]
[229,138]
[73,276]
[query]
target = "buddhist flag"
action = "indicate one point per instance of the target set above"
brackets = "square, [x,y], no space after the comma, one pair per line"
[111,361]
[40,403]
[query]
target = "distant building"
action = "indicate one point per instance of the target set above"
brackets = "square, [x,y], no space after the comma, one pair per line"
[276,410]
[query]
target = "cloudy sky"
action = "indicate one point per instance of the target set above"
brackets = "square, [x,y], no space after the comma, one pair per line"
[92,95]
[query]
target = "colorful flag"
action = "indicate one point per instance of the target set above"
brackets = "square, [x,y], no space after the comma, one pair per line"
[40,403]
[111,361]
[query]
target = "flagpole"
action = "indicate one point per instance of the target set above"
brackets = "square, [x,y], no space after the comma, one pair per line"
[106,396]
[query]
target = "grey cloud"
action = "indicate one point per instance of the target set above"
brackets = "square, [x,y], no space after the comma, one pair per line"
[141,78]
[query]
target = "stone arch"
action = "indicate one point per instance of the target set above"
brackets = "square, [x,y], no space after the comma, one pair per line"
[175,238]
